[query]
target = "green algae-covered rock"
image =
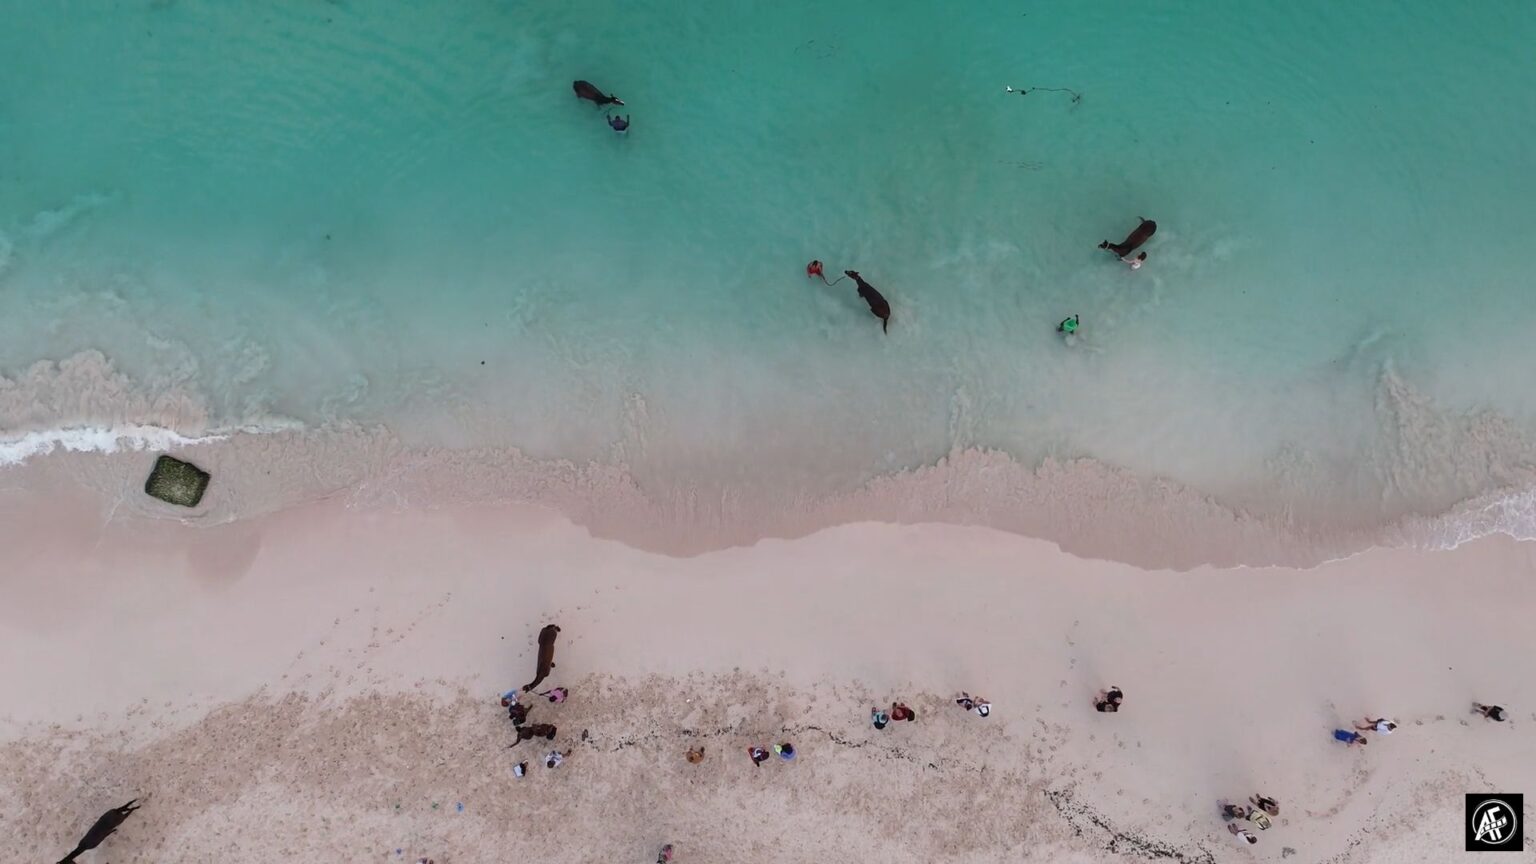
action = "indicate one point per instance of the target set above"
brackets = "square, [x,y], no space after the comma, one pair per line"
[177,482]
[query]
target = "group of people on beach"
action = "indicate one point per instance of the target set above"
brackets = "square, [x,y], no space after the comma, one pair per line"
[1257,813]
[1264,806]
[518,712]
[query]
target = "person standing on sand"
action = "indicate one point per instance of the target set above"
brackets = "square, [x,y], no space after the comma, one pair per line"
[1380,724]
[1492,712]
[786,751]
[1349,738]
[554,759]
[695,755]
[879,718]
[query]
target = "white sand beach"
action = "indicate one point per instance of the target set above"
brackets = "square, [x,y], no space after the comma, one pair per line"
[320,685]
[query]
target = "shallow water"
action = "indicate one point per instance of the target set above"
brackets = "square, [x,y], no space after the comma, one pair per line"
[323,213]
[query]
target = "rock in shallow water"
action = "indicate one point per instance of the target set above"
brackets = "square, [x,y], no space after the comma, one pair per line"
[177,482]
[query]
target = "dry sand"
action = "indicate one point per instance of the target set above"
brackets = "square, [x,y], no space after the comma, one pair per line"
[320,685]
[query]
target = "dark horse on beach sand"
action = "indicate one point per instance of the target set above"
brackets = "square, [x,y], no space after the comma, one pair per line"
[103,829]
[546,655]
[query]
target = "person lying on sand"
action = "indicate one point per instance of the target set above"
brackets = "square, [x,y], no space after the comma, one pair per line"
[759,755]
[1108,701]
[1492,712]
[1349,738]
[557,695]
[1234,811]
[1242,836]
[900,711]
[1267,804]
[879,718]
[1380,724]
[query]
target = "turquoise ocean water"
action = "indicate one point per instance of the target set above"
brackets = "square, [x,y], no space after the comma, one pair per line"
[319,213]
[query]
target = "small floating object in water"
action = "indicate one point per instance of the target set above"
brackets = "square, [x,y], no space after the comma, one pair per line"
[176,482]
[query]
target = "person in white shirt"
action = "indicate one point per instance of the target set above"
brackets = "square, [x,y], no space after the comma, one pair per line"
[1244,837]
[1380,724]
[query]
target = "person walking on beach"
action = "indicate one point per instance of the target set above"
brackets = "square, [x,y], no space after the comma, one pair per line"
[1349,738]
[1108,701]
[537,730]
[556,695]
[1492,712]
[1267,804]
[1069,325]
[619,124]
[1243,837]
[759,755]
[1380,724]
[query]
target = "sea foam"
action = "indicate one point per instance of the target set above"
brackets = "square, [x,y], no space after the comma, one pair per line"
[81,439]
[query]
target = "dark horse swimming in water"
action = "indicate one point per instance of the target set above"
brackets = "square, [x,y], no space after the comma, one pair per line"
[586,90]
[101,830]
[1142,234]
[878,306]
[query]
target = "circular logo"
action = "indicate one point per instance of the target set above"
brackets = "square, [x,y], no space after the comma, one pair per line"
[1493,822]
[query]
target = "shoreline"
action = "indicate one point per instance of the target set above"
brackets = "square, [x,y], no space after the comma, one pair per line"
[223,660]
[1089,508]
